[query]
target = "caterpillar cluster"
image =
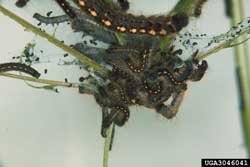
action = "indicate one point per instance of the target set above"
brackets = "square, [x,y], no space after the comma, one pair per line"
[141,73]
[5,67]
[144,76]
[120,21]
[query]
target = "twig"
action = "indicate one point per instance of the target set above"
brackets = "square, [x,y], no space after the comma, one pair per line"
[226,44]
[42,81]
[221,41]
[107,146]
[83,87]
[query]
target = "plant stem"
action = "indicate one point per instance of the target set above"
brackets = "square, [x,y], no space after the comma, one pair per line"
[56,42]
[224,45]
[42,81]
[243,72]
[107,146]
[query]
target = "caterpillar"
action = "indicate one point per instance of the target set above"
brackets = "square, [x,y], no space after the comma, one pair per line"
[172,79]
[108,117]
[114,106]
[66,7]
[118,114]
[86,24]
[51,20]
[198,73]
[157,88]
[121,115]
[5,67]
[120,21]
[134,59]
[138,67]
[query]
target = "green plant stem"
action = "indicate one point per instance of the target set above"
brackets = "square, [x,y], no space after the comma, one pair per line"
[226,44]
[242,65]
[204,55]
[54,41]
[107,146]
[87,88]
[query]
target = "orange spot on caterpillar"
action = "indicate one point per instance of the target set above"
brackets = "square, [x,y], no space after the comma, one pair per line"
[106,23]
[142,30]
[161,25]
[92,12]
[163,32]
[152,32]
[122,29]
[133,30]
[81,2]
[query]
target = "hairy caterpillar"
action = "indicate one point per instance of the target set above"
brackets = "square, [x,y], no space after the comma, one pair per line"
[5,67]
[120,21]
[135,60]
[144,75]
